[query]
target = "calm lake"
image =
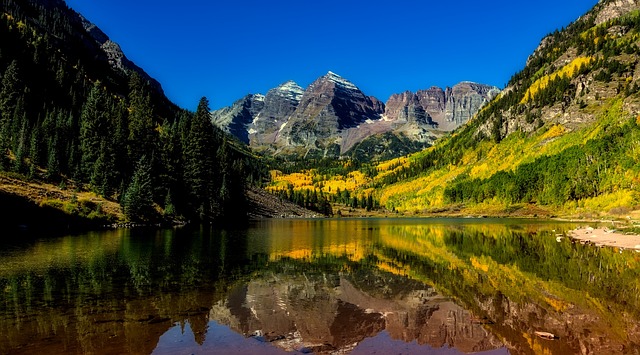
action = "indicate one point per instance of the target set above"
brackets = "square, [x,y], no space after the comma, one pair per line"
[359,286]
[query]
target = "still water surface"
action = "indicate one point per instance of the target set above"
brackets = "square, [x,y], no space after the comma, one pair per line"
[359,286]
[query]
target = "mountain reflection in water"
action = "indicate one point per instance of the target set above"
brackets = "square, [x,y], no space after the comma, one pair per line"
[323,286]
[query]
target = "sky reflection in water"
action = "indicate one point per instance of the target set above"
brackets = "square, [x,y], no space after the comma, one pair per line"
[410,286]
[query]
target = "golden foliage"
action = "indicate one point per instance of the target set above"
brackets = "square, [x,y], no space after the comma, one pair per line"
[274,174]
[567,71]
[311,180]
[555,131]
[478,265]
[392,164]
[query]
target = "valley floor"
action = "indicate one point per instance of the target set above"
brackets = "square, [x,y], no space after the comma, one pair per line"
[33,203]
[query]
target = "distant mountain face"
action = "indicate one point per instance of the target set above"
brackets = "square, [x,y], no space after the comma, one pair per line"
[445,110]
[329,106]
[333,117]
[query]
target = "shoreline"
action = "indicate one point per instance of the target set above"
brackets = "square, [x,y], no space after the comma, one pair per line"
[605,237]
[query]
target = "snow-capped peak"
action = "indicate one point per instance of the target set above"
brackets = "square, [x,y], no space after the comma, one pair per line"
[291,90]
[290,86]
[340,81]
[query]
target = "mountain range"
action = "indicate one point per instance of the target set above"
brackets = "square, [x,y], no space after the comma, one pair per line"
[332,117]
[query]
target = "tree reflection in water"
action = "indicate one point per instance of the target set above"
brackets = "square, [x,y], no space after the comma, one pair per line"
[322,286]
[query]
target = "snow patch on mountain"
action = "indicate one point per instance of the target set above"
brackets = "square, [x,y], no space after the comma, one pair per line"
[340,81]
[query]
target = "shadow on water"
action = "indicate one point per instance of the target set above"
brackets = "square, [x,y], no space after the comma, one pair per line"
[19,215]
[322,286]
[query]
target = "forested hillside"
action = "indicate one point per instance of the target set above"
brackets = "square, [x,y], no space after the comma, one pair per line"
[73,116]
[78,117]
[562,138]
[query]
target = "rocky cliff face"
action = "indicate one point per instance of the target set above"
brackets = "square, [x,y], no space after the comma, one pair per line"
[332,117]
[114,54]
[238,118]
[441,109]
[330,105]
[407,107]
[415,120]
[615,8]
[463,101]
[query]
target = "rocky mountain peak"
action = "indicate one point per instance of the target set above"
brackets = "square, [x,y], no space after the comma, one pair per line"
[339,81]
[290,90]
[332,116]
[328,106]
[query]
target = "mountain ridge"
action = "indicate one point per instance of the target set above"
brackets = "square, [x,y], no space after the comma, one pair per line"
[115,55]
[332,116]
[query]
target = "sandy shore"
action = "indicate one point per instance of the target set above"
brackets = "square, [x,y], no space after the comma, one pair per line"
[606,237]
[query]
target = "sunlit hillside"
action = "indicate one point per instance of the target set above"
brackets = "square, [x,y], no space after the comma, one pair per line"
[561,139]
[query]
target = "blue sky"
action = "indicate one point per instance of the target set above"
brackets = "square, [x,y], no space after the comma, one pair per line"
[226,49]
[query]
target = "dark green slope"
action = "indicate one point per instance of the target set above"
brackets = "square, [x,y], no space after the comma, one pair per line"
[75,112]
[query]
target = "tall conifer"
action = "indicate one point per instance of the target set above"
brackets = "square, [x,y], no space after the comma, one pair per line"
[141,127]
[138,198]
[93,128]
[199,163]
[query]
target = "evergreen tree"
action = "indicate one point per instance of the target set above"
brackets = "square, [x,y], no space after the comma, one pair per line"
[103,175]
[199,162]
[35,146]
[93,128]
[137,202]
[17,124]
[231,198]
[21,150]
[10,93]
[119,143]
[169,207]
[369,206]
[171,152]
[224,198]
[53,159]
[141,127]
